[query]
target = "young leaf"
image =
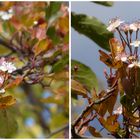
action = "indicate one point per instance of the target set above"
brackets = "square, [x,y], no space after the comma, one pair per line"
[92,28]
[42,46]
[78,88]
[84,75]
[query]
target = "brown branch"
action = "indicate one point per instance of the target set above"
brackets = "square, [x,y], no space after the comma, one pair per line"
[108,94]
[86,122]
[58,130]
[7,45]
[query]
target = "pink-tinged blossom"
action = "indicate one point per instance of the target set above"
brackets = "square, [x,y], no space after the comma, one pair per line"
[133,27]
[113,24]
[124,27]
[6,66]
[135,43]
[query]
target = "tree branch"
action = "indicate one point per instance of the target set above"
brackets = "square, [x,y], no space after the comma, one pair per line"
[108,94]
[58,130]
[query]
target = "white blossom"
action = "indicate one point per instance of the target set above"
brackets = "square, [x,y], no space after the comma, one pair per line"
[118,110]
[135,43]
[133,27]
[122,57]
[6,15]
[137,64]
[114,23]
[125,27]
[2,90]
[7,66]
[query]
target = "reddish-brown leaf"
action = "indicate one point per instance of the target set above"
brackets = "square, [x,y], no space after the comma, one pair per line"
[14,83]
[94,132]
[7,101]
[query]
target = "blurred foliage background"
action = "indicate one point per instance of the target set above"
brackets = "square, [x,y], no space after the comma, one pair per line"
[41,110]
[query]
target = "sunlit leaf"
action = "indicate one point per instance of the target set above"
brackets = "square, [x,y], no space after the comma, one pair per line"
[78,88]
[110,123]
[63,24]
[42,46]
[7,101]
[84,75]
[60,65]
[109,61]
[4,6]
[92,28]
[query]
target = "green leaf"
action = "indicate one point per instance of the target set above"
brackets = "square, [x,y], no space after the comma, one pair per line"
[42,46]
[78,89]
[51,32]
[84,75]
[7,122]
[58,66]
[92,28]
[8,27]
[105,3]
[52,9]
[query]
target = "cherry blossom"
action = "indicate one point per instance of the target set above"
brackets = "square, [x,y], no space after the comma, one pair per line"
[125,27]
[114,23]
[7,66]
[133,27]
[135,43]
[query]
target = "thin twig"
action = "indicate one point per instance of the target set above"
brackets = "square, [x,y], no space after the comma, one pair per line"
[108,94]
[58,130]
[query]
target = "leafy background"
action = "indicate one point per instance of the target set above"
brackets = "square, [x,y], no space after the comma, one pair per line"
[84,48]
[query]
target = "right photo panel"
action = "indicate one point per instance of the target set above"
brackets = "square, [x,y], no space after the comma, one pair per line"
[105,69]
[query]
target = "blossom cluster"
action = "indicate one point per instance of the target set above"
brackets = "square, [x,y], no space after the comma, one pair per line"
[117,24]
[5,67]
[126,31]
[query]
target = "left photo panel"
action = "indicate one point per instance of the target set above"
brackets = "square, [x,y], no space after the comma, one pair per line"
[34,69]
